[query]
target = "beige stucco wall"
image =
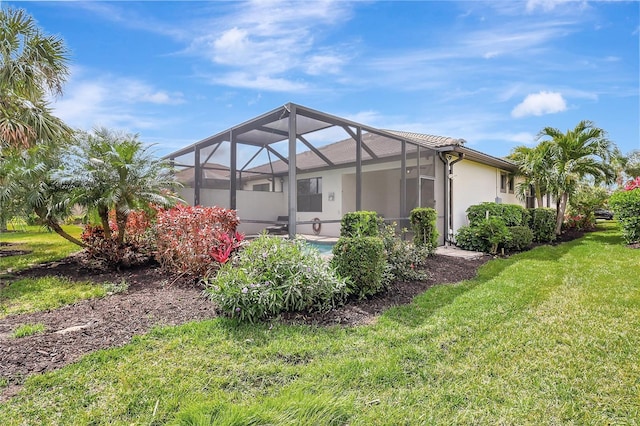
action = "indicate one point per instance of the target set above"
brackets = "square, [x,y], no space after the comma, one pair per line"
[474,183]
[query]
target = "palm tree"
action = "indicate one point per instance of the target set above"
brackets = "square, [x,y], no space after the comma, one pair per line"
[578,153]
[115,171]
[28,183]
[533,167]
[32,65]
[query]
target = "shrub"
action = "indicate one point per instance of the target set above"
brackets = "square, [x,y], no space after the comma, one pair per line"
[521,237]
[107,252]
[511,214]
[626,205]
[405,261]
[543,224]
[582,205]
[194,240]
[271,275]
[425,231]
[360,224]
[362,261]
[469,238]
[486,236]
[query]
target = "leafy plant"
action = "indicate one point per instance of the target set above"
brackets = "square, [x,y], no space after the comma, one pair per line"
[362,260]
[487,235]
[511,214]
[626,205]
[26,330]
[425,230]
[520,238]
[270,275]
[543,224]
[189,239]
[405,261]
[362,223]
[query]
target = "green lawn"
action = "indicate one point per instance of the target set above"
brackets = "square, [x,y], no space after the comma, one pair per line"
[45,246]
[550,336]
[39,294]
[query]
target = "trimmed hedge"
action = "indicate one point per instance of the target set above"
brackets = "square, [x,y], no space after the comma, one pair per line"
[543,224]
[363,261]
[626,205]
[521,238]
[425,231]
[360,224]
[511,214]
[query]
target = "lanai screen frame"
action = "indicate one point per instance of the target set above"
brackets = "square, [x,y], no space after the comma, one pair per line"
[263,136]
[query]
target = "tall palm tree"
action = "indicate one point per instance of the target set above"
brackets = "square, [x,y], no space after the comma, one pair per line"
[534,165]
[32,65]
[578,153]
[115,171]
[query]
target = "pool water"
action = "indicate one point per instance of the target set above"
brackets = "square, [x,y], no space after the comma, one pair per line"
[322,247]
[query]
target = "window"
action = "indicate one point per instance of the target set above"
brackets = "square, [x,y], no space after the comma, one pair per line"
[503,182]
[511,184]
[310,195]
[265,187]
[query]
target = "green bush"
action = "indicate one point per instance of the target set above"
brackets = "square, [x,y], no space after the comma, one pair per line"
[425,230]
[362,261]
[360,224]
[271,275]
[521,238]
[405,261]
[626,205]
[543,224]
[486,236]
[511,214]
[469,238]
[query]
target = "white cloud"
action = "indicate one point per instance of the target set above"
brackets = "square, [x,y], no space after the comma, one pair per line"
[540,104]
[268,41]
[109,101]
[549,5]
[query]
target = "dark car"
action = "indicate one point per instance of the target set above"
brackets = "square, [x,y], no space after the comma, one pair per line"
[603,214]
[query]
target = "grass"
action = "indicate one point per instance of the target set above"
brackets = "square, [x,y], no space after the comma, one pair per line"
[26,330]
[550,336]
[44,246]
[41,294]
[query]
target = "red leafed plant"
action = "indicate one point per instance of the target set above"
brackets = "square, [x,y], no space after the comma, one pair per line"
[632,184]
[226,245]
[193,240]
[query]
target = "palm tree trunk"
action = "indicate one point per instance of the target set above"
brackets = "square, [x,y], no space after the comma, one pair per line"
[562,207]
[58,229]
[121,219]
[538,195]
[103,212]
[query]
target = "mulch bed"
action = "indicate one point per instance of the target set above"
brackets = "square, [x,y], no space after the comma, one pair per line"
[155,298]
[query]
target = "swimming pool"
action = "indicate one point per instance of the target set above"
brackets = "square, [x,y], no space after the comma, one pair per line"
[322,246]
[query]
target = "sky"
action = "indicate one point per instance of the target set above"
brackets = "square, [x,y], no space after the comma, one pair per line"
[494,73]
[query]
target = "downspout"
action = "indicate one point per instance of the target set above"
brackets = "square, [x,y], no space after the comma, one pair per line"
[448,193]
[460,158]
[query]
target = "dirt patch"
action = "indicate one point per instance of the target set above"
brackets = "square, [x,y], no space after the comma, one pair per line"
[6,252]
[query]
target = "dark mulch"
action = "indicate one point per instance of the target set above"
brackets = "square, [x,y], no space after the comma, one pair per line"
[155,298]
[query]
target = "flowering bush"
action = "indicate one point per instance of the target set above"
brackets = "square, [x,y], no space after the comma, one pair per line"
[405,261]
[626,205]
[194,240]
[271,275]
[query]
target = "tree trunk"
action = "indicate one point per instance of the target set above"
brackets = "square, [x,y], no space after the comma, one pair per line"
[538,196]
[562,207]
[58,229]
[121,219]
[103,212]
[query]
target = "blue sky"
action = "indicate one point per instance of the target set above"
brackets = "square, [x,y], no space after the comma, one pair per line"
[494,73]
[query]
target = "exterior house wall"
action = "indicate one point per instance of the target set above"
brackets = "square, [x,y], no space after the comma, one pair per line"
[474,183]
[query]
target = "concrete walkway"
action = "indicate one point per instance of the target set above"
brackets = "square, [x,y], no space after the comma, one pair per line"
[453,251]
